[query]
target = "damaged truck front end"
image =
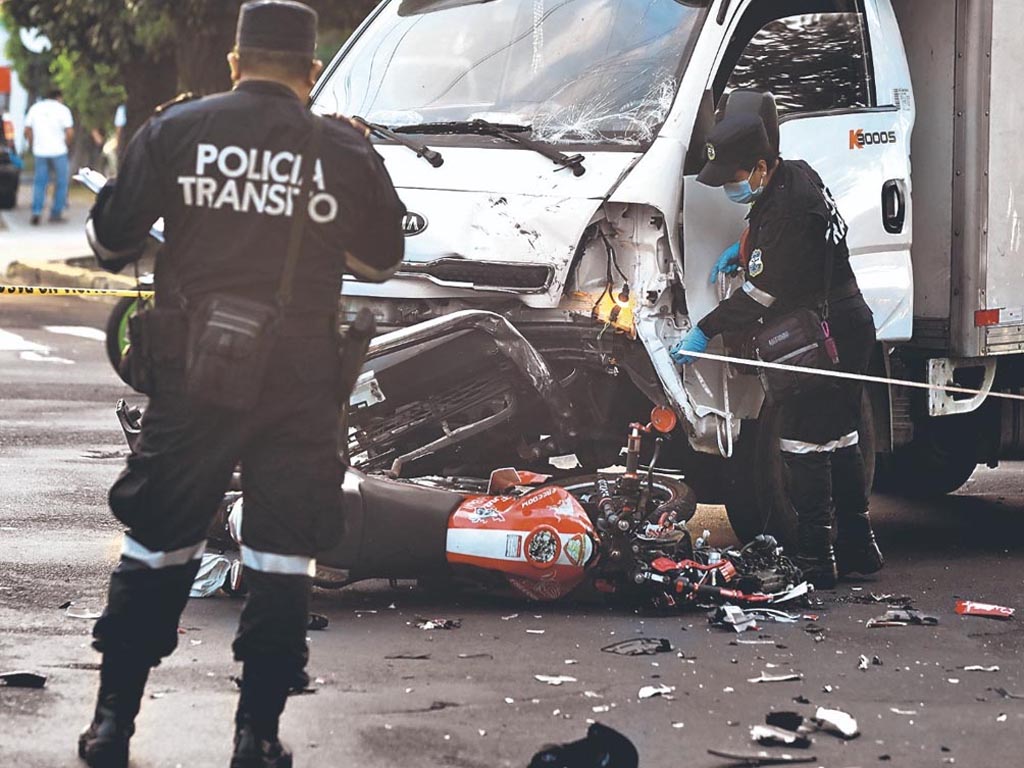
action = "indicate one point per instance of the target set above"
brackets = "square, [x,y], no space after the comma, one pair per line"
[542,287]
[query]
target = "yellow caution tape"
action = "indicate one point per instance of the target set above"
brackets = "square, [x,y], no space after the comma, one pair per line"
[42,290]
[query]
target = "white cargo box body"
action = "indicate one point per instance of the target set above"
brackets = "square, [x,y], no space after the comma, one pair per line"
[967,66]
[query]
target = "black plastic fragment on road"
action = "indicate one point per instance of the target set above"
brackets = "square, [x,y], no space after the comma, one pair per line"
[22,679]
[788,721]
[603,747]
[640,646]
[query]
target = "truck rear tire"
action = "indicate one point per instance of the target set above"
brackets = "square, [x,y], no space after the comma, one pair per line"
[755,487]
[939,460]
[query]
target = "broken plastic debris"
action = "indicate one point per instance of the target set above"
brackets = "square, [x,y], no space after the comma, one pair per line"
[509,618]
[554,679]
[1001,718]
[22,679]
[979,668]
[971,608]
[836,721]
[603,746]
[569,461]
[765,678]
[678,725]
[769,736]
[600,708]
[509,700]
[771,614]
[898,711]
[863,663]
[535,631]
[318,621]
[570,662]
[213,572]
[1007,694]
[732,616]
[786,720]
[439,623]
[409,656]
[640,646]
[82,613]
[902,617]
[650,691]
[762,757]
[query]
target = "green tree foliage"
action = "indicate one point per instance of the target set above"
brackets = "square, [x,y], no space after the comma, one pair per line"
[153,48]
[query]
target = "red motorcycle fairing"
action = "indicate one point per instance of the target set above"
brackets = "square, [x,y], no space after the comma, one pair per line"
[542,542]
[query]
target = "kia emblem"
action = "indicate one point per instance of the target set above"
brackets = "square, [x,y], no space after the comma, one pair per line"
[413,224]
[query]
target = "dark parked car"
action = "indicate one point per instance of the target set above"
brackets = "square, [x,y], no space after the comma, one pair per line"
[10,166]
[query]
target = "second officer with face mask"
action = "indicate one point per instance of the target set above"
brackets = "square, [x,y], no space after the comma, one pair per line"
[795,230]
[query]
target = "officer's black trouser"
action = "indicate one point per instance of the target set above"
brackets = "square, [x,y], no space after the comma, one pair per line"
[820,438]
[170,491]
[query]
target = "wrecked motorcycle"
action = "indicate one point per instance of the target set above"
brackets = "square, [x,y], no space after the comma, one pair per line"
[623,530]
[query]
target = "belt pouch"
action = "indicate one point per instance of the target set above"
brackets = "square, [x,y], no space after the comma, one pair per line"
[799,338]
[230,342]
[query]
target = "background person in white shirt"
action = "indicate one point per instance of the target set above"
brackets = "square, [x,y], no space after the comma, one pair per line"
[48,131]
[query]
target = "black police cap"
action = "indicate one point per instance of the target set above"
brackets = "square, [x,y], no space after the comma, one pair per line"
[734,144]
[277,25]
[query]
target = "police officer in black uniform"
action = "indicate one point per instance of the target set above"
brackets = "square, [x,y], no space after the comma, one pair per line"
[794,226]
[227,173]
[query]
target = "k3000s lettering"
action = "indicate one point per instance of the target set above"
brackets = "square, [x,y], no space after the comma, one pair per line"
[859,139]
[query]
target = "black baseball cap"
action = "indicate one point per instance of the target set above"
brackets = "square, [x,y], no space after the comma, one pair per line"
[734,144]
[277,25]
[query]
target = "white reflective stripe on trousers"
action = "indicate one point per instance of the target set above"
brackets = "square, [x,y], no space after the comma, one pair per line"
[156,559]
[284,565]
[799,446]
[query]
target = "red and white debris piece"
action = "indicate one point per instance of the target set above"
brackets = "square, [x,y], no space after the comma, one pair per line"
[971,608]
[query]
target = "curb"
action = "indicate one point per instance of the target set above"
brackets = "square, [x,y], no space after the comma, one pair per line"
[65,274]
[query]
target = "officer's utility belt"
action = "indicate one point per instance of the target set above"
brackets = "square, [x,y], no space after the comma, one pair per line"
[799,338]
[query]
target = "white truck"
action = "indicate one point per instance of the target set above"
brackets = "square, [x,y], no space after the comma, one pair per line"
[556,233]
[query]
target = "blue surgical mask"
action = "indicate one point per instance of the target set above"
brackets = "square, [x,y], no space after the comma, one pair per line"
[740,191]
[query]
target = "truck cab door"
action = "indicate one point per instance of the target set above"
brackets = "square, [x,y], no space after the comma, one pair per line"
[840,78]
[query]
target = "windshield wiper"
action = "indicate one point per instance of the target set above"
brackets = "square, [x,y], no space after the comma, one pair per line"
[432,156]
[510,133]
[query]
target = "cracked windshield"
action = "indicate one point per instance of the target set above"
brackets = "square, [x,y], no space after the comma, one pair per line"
[575,71]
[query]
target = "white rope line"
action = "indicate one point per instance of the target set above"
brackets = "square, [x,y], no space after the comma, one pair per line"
[850,376]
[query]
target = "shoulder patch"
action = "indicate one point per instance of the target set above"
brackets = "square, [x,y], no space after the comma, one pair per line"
[181,98]
[756,266]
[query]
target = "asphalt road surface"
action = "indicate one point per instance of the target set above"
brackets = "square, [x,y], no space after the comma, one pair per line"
[472,701]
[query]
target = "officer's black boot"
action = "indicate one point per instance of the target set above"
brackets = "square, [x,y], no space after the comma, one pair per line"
[104,744]
[260,705]
[810,491]
[856,548]
[815,557]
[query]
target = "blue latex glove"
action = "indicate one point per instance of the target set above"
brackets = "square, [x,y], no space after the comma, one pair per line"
[728,263]
[694,341]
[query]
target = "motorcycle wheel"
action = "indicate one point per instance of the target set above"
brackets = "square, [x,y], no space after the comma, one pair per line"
[117,329]
[666,490]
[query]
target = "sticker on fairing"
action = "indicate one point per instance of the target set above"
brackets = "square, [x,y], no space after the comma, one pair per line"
[756,266]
